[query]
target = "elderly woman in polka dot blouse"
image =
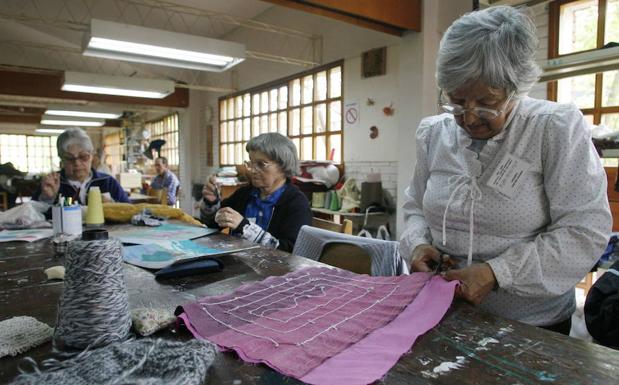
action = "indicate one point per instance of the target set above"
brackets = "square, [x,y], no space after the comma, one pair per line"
[507,189]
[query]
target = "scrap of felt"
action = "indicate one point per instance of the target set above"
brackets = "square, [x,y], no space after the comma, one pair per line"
[323,325]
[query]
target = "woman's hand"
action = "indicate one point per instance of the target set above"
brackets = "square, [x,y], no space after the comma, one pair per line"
[227,217]
[476,281]
[210,191]
[50,186]
[425,257]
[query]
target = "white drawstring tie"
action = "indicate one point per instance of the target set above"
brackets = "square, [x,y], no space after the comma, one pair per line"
[462,181]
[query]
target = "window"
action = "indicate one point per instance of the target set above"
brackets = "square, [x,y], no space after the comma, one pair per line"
[40,153]
[167,129]
[114,151]
[306,107]
[578,26]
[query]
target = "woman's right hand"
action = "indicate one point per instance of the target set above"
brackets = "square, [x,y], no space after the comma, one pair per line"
[210,191]
[50,186]
[425,257]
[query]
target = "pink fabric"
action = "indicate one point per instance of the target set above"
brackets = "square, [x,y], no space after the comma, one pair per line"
[302,324]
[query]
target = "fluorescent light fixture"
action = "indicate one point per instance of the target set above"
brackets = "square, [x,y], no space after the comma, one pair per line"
[53,131]
[126,42]
[84,112]
[67,121]
[599,60]
[117,85]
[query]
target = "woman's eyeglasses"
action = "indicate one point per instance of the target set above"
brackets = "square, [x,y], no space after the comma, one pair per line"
[81,157]
[484,113]
[259,165]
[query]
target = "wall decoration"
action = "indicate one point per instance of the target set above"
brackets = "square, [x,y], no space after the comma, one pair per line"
[374,62]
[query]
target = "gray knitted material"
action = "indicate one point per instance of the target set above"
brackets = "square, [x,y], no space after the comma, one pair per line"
[143,362]
[386,259]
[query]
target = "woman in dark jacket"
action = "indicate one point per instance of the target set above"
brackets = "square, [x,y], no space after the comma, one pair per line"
[271,210]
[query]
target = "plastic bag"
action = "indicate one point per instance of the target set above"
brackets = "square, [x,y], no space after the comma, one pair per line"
[350,196]
[25,215]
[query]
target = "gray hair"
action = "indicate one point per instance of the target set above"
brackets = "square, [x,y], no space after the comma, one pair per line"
[73,136]
[496,46]
[278,148]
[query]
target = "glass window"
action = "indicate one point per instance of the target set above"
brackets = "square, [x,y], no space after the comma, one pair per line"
[167,129]
[30,153]
[612,21]
[578,26]
[579,90]
[610,88]
[306,108]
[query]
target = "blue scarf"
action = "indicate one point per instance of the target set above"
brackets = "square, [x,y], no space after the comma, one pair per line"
[260,210]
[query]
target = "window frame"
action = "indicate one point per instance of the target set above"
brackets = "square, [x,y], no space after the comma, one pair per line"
[169,126]
[287,110]
[554,16]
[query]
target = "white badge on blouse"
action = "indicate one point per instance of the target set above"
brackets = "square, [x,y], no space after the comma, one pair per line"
[507,176]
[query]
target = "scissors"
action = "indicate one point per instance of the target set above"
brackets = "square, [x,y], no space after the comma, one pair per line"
[441,266]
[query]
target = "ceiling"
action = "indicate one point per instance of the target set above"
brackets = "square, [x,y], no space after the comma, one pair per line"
[47,35]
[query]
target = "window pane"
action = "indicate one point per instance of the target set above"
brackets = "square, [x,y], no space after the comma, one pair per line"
[230,154]
[295,122]
[578,26]
[282,124]
[611,121]
[320,145]
[308,89]
[589,119]
[297,145]
[264,124]
[610,92]
[335,144]
[283,97]
[230,131]
[296,92]
[255,107]
[255,128]
[223,154]
[246,105]
[222,110]
[579,90]
[238,156]
[223,137]
[273,100]
[230,109]
[239,107]
[321,85]
[246,129]
[306,148]
[238,132]
[306,121]
[335,116]
[264,102]
[320,118]
[611,32]
[273,122]
[335,82]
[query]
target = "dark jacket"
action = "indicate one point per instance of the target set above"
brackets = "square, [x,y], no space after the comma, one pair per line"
[106,183]
[291,211]
[602,308]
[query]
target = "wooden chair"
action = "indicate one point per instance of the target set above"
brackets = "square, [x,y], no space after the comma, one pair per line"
[4,201]
[345,227]
[586,283]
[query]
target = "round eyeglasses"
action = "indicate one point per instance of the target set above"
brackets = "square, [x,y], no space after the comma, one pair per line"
[484,113]
[83,158]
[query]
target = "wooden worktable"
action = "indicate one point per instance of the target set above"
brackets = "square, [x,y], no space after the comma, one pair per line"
[521,355]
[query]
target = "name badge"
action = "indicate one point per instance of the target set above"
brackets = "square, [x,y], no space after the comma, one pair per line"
[507,176]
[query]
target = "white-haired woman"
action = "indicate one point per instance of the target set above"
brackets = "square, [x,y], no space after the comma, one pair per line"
[271,210]
[507,186]
[77,175]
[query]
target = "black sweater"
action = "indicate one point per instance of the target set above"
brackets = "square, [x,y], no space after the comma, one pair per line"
[291,211]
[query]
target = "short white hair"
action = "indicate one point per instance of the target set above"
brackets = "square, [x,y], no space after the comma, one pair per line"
[495,45]
[73,136]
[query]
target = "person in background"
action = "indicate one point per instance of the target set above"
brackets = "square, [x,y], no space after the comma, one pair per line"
[271,210]
[77,175]
[507,187]
[98,165]
[165,179]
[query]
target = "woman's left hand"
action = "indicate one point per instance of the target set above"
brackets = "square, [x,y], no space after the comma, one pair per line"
[227,217]
[476,281]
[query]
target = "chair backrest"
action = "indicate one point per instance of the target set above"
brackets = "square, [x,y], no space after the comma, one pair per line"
[160,193]
[347,257]
[345,227]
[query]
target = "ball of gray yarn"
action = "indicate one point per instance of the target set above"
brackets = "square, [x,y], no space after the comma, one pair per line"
[93,309]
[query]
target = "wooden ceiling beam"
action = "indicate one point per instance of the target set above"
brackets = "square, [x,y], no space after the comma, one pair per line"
[48,85]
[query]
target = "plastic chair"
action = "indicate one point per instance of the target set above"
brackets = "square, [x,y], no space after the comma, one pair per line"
[358,254]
